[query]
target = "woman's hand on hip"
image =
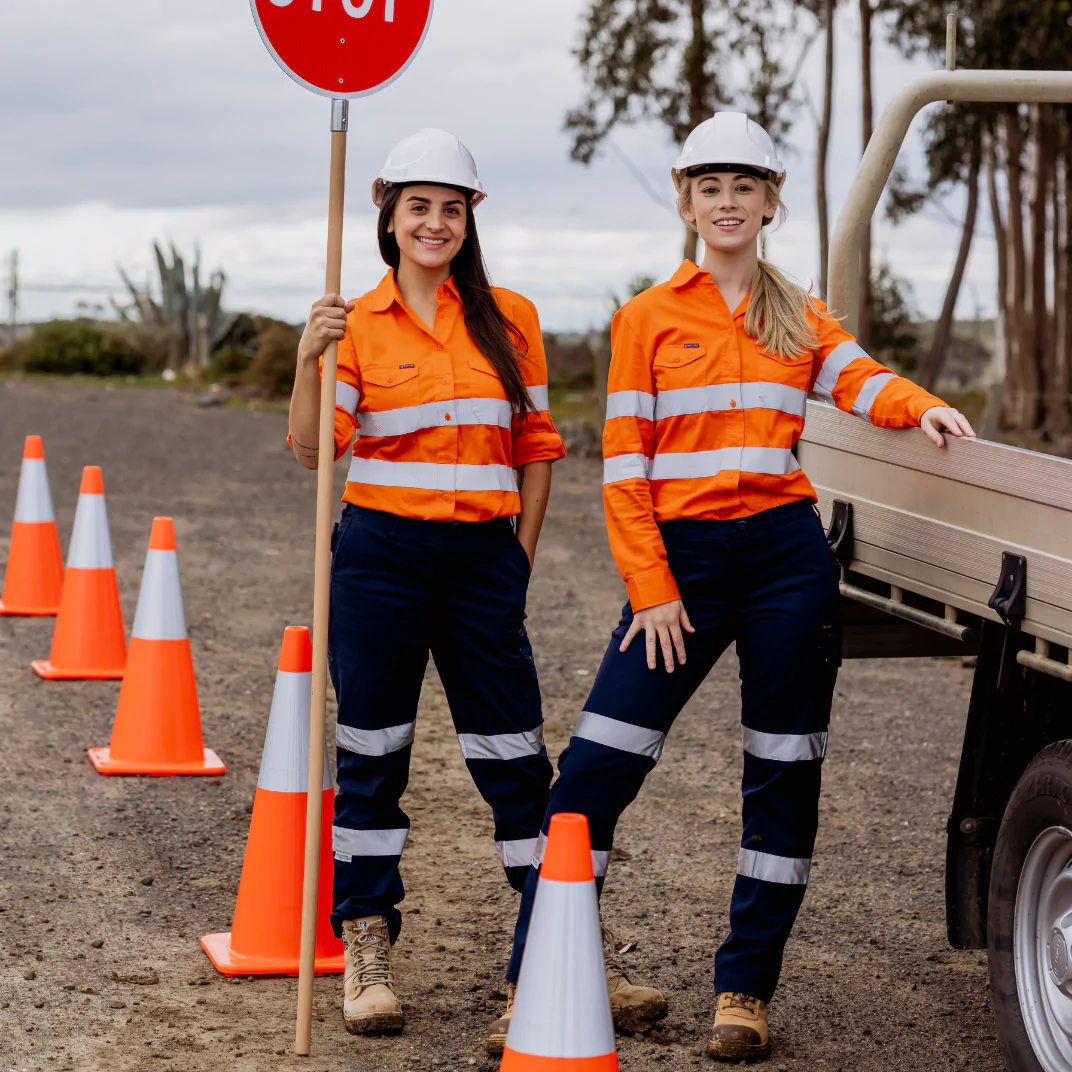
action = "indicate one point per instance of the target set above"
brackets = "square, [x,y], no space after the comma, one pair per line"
[663,622]
[940,419]
[327,323]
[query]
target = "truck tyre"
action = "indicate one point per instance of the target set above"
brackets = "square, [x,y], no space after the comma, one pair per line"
[1029,927]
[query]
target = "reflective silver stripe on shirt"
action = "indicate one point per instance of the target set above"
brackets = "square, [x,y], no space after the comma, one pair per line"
[719,397]
[346,843]
[501,745]
[621,735]
[835,364]
[445,414]
[431,477]
[538,394]
[784,747]
[773,461]
[600,857]
[516,853]
[786,870]
[347,396]
[375,742]
[626,467]
[630,404]
[869,392]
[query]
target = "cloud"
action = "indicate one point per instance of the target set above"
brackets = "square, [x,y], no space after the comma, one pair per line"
[122,122]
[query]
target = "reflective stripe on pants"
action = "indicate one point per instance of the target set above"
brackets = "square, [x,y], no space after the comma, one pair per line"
[769,583]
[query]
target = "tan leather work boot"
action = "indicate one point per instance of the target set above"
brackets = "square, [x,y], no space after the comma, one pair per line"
[740,1031]
[497,1031]
[633,1007]
[371,1006]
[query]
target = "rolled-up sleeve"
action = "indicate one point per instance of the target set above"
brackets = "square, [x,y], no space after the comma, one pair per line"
[535,438]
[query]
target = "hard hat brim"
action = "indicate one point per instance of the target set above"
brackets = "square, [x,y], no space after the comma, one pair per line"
[777,177]
[381,186]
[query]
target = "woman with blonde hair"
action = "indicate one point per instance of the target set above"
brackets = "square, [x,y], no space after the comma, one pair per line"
[713,527]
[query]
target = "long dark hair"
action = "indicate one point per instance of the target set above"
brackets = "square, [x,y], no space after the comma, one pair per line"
[496,336]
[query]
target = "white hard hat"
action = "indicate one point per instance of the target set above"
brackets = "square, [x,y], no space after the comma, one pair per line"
[729,141]
[431,155]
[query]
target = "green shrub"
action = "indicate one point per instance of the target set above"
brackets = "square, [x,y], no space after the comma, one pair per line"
[276,359]
[72,347]
[229,365]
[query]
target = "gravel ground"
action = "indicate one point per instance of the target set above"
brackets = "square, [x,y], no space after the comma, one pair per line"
[107,883]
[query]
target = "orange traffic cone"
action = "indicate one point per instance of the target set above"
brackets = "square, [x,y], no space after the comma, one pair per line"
[158,722]
[88,643]
[561,1019]
[265,938]
[34,574]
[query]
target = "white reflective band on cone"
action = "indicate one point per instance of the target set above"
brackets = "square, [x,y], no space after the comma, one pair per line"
[501,745]
[347,397]
[786,747]
[600,857]
[160,614]
[516,853]
[375,742]
[285,761]
[785,870]
[33,504]
[346,843]
[431,477]
[621,735]
[562,1008]
[91,546]
[630,404]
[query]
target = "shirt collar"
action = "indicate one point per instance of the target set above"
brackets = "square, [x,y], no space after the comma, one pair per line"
[387,292]
[688,272]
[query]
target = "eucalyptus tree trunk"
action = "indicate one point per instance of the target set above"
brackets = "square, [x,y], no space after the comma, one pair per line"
[1038,325]
[1058,417]
[995,390]
[932,363]
[867,126]
[1020,386]
[822,149]
[695,63]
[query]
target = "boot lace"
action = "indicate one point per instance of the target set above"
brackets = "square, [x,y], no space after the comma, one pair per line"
[612,946]
[370,959]
[740,1001]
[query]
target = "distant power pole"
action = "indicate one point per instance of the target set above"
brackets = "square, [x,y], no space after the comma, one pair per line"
[13,298]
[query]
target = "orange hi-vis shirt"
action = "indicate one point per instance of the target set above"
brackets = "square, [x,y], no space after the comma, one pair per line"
[701,422]
[434,436]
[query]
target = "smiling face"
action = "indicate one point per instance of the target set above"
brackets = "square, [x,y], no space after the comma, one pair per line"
[728,209]
[429,224]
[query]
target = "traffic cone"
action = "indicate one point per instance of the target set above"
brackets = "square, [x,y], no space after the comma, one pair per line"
[265,938]
[561,1017]
[158,721]
[34,574]
[88,643]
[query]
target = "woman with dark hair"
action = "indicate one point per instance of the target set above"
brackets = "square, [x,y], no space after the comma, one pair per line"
[443,380]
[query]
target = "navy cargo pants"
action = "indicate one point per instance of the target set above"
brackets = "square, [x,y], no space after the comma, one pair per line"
[769,583]
[401,588]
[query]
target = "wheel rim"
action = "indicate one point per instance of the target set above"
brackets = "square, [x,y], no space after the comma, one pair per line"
[1042,946]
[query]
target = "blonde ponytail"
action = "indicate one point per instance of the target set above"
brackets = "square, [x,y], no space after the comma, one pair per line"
[777,314]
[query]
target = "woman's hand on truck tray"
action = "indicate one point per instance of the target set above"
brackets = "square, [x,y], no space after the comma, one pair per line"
[939,419]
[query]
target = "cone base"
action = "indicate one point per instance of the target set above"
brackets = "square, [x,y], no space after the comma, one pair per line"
[101,758]
[44,668]
[227,962]
[29,612]
[512,1061]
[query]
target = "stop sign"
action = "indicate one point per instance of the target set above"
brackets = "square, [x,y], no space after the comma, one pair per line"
[343,48]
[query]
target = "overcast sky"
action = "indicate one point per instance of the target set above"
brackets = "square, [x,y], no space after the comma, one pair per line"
[124,122]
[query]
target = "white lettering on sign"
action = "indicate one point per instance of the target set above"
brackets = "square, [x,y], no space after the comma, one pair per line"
[355,11]
[285,3]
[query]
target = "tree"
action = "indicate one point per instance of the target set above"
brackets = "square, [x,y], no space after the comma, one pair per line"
[677,61]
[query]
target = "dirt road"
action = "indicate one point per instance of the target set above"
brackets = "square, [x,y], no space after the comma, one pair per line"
[107,883]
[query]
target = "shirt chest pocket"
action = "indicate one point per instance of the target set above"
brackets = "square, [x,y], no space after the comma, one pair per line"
[388,390]
[794,370]
[678,366]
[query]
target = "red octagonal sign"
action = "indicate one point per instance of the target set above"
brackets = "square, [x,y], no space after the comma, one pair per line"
[343,48]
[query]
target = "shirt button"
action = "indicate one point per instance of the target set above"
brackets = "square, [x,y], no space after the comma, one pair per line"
[677,360]
[442,316]
[444,382]
[439,347]
[733,403]
[390,379]
[742,526]
[446,416]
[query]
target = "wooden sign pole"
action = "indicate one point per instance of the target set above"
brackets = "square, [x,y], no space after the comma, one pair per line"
[325,504]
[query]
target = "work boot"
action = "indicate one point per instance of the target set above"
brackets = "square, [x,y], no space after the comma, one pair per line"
[740,1031]
[633,1007]
[371,1006]
[497,1031]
